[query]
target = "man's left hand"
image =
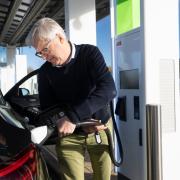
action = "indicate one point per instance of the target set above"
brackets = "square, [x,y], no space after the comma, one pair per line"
[92,129]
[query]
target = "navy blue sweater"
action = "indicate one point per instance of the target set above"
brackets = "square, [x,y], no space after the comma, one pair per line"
[85,84]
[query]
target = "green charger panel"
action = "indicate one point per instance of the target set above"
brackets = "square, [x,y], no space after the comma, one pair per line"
[127,15]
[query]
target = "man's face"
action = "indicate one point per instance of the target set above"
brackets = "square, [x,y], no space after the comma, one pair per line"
[51,50]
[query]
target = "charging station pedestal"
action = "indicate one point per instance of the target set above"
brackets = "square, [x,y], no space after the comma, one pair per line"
[145,40]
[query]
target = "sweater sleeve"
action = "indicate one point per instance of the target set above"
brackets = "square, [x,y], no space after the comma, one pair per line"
[104,90]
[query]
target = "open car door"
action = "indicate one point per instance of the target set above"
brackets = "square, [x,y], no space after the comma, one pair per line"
[24,98]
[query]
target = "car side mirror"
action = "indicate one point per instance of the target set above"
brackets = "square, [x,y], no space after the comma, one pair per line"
[23,92]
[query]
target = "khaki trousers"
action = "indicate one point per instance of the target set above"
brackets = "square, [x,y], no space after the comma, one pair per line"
[71,152]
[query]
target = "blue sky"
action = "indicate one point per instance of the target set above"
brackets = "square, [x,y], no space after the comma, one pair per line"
[104,38]
[103,42]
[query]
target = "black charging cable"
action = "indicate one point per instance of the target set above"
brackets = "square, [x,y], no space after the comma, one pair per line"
[110,140]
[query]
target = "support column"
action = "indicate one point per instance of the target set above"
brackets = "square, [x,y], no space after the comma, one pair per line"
[8,77]
[21,66]
[80,21]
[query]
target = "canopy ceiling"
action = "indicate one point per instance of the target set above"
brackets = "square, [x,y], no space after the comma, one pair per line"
[18,16]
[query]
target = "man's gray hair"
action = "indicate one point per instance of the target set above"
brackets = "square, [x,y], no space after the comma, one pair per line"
[44,29]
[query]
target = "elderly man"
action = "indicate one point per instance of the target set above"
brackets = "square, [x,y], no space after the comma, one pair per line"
[76,75]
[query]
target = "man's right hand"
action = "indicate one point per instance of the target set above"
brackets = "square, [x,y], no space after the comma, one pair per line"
[65,126]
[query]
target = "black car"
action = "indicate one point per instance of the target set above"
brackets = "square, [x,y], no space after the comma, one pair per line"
[22,155]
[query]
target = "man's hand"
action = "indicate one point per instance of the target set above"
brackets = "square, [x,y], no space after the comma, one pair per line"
[92,129]
[65,126]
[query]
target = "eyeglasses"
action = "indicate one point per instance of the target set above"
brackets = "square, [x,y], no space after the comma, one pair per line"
[44,50]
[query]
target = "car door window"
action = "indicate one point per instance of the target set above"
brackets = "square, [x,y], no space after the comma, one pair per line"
[29,87]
